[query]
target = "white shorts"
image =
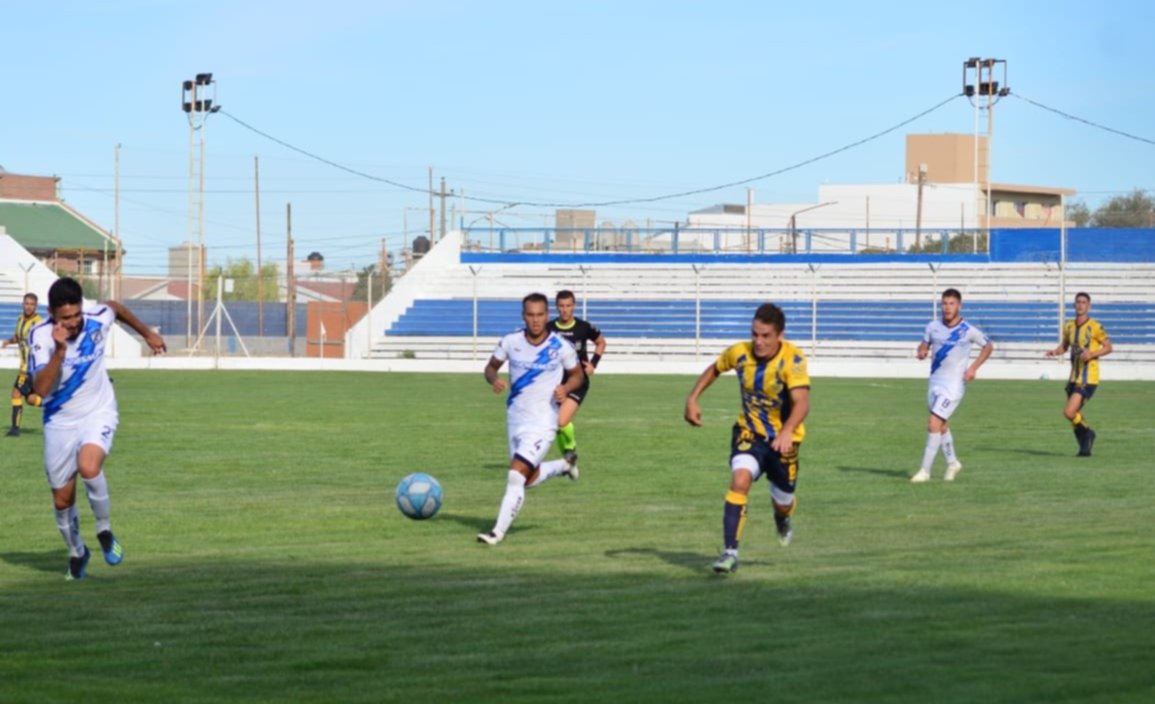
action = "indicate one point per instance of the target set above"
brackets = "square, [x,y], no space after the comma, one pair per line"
[531,444]
[62,445]
[941,402]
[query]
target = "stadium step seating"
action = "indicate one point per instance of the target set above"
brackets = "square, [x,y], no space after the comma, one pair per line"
[674,311]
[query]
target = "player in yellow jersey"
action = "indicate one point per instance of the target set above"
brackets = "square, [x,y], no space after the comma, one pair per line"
[22,389]
[775,390]
[1086,340]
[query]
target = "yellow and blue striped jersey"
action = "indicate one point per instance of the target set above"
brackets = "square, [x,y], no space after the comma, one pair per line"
[765,386]
[23,326]
[1089,336]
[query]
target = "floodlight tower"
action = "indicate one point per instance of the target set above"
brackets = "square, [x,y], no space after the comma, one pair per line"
[198,101]
[978,83]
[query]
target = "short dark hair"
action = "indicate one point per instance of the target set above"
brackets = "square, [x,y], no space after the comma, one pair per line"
[534,298]
[952,293]
[565,295]
[1083,294]
[33,296]
[65,292]
[771,315]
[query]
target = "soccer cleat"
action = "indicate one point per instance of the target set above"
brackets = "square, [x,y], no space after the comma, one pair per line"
[727,563]
[1088,441]
[922,475]
[77,566]
[490,538]
[785,530]
[952,471]
[571,469]
[13,432]
[113,553]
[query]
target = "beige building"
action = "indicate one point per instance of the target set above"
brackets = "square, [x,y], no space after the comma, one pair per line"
[960,159]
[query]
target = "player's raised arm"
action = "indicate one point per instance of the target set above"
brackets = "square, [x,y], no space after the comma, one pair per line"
[46,374]
[693,414]
[151,337]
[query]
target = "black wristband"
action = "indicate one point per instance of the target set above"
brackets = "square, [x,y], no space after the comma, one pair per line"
[595,359]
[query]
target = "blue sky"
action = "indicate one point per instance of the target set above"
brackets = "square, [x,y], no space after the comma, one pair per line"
[542,103]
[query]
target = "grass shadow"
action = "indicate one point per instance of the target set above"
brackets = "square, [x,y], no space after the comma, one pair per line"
[474,523]
[1035,453]
[694,561]
[894,473]
[46,561]
[480,524]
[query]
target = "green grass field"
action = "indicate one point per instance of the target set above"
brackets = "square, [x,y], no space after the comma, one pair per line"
[266,562]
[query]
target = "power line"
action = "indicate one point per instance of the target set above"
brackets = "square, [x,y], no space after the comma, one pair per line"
[602,204]
[322,159]
[1084,120]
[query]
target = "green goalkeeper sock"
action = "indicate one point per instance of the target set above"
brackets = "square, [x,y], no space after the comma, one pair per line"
[565,437]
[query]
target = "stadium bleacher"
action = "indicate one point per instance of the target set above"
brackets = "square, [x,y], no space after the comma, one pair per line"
[662,310]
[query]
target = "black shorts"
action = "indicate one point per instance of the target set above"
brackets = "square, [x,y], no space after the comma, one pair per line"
[580,394]
[781,470]
[1084,390]
[23,384]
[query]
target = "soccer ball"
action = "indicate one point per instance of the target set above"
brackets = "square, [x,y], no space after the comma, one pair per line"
[419,496]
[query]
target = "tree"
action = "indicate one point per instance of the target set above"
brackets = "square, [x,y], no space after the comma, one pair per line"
[360,289]
[242,272]
[1079,213]
[957,243]
[1136,209]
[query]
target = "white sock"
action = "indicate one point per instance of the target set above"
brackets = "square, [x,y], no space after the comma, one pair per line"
[948,448]
[933,440]
[547,471]
[510,503]
[68,521]
[97,489]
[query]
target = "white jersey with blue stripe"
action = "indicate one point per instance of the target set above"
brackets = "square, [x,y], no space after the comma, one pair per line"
[84,386]
[534,372]
[950,351]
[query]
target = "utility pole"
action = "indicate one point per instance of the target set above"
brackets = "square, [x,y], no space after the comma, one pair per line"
[431,211]
[260,273]
[290,284]
[918,208]
[382,263]
[978,83]
[749,216]
[442,231]
[119,280]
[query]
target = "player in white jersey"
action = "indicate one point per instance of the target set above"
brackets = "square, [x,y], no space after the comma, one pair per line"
[948,342]
[80,416]
[538,362]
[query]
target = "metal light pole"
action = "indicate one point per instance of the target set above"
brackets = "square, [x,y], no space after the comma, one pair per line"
[198,105]
[978,80]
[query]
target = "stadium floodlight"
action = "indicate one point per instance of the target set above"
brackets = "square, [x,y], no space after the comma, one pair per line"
[198,102]
[979,81]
